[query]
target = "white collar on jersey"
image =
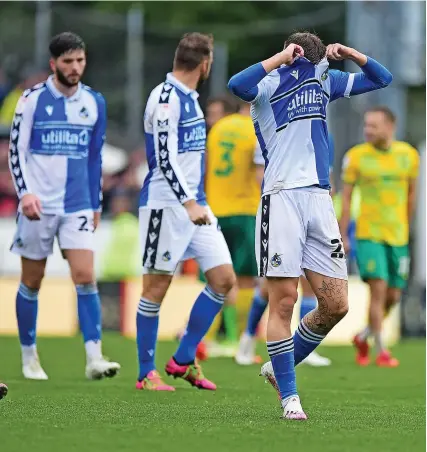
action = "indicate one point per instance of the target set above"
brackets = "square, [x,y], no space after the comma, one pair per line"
[323,62]
[185,89]
[57,94]
[302,60]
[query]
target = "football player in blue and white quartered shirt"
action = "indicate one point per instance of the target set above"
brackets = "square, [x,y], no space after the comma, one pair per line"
[175,221]
[296,226]
[55,161]
[247,345]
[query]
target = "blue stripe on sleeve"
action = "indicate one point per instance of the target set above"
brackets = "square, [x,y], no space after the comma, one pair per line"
[244,84]
[374,76]
[95,157]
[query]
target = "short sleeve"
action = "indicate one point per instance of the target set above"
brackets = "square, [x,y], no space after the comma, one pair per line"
[415,163]
[350,170]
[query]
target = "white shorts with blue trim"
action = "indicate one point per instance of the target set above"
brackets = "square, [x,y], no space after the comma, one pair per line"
[297,229]
[35,239]
[168,237]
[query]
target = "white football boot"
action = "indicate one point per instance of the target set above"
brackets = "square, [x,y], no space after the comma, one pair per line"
[316,360]
[98,368]
[221,350]
[32,370]
[268,373]
[245,355]
[292,409]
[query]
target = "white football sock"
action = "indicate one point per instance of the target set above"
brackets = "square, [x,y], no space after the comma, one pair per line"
[29,352]
[364,334]
[379,345]
[93,350]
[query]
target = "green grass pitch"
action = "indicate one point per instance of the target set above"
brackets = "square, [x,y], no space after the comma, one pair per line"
[350,409]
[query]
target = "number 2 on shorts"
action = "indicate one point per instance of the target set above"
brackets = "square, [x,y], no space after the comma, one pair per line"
[84,224]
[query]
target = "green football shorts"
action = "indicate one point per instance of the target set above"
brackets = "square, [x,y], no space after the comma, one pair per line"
[383,261]
[239,233]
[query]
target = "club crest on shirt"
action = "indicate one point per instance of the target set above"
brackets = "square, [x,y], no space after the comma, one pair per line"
[167,256]
[84,113]
[276,260]
[325,75]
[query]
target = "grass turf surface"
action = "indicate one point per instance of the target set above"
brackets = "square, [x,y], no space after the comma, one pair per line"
[349,408]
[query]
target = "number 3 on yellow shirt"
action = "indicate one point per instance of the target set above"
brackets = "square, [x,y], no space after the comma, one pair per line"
[227,149]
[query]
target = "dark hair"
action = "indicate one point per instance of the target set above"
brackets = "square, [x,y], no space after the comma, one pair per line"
[229,104]
[192,49]
[314,49]
[65,42]
[385,111]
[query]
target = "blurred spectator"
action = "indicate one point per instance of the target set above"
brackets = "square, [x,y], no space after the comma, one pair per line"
[130,178]
[218,107]
[138,161]
[29,78]
[8,198]
[121,259]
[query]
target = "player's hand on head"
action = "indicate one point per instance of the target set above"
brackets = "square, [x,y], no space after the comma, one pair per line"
[338,52]
[31,206]
[290,53]
[198,214]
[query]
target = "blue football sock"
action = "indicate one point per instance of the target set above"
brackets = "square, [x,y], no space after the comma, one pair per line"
[307,305]
[26,314]
[305,342]
[147,324]
[204,311]
[89,310]
[255,314]
[282,357]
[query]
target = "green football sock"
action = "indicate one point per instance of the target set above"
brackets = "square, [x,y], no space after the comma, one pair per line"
[230,323]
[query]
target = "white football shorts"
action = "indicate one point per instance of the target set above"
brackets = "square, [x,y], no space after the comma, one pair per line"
[34,239]
[168,236]
[297,229]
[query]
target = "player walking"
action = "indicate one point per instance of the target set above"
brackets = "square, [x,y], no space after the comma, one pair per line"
[55,160]
[296,225]
[233,194]
[175,222]
[385,171]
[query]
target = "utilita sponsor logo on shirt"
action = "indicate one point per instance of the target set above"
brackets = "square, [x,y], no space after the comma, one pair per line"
[195,134]
[65,137]
[306,102]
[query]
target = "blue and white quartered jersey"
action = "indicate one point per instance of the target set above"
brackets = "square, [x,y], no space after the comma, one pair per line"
[55,147]
[289,115]
[175,141]
[259,159]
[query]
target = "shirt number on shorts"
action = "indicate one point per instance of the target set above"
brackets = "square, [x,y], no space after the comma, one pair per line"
[338,252]
[84,224]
